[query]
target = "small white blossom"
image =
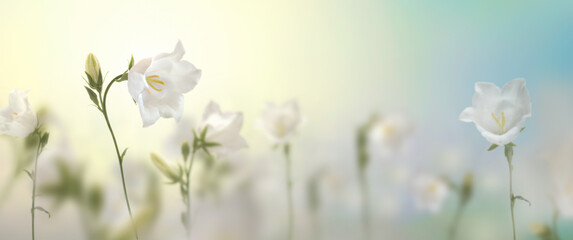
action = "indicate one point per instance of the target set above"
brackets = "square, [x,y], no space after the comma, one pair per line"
[499,114]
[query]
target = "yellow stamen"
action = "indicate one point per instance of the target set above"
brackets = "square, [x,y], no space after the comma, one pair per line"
[501,123]
[154,79]
[15,113]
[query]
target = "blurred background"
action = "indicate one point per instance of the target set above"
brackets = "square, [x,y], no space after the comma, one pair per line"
[343,62]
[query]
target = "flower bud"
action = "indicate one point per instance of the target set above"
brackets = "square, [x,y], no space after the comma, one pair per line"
[94,70]
[467,187]
[164,168]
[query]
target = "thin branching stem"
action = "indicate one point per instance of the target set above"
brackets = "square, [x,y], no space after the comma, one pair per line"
[119,157]
[33,209]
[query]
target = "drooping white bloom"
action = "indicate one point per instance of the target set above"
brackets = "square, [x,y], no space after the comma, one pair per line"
[280,122]
[18,119]
[223,128]
[389,133]
[157,85]
[499,114]
[430,192]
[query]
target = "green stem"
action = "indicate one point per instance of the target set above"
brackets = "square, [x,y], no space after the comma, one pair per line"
[120,160]
[289,191]
[33,209]
[365,204]
[509,156]
[554,223]
[187,197]
[455,223]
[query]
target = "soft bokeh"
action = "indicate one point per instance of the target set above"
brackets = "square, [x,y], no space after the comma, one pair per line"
[343,61]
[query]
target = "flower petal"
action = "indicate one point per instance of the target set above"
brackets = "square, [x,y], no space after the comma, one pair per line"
[149,114]
[467,115]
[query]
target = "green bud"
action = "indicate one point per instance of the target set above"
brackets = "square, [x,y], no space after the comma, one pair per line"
[185,150]
[467,187]
[164,168]
[93,70]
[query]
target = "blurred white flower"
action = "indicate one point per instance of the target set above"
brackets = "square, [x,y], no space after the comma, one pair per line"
[560,163]
[499,114]
[388,134]
[280,122]
[18,119]
[157,85]
[564,199]
[430,192]
[223,129]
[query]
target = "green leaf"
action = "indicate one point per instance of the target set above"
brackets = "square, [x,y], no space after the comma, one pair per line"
[522,199]
[130,63]
[43,210]
[93,96]
[211,144]
[123,154]
[204,133]
[492,147]
[99,82]
[29,174]
[91,81]
[523,128]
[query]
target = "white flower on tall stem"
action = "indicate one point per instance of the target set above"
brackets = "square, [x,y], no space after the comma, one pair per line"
[280,122]
[157,85]
[388,134]
[18,119]
[223,129]
[430,192]
[499,114]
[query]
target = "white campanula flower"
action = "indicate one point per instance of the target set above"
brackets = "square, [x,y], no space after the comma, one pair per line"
[389,133]
[18,119]
[430,192]
[499,114]
[157,85]
[223,128]
[280,122]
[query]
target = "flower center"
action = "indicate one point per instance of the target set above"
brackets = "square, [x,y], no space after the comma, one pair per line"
[500,122]
[281,128]
[152,81]
[13,114]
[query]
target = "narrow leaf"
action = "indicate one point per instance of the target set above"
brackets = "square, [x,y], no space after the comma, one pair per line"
[522,199]
[523,128]
[29,174]
[44,210]
[130,63]
[93,96]
[492,147]
[204,133]
[123,154]
[211,144]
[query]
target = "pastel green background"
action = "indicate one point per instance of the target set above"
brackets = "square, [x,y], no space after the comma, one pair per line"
[342,61]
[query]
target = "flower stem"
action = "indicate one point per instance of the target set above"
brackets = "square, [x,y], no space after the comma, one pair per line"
[365,204]
[187,196]
[509,157]
[33,209]
[554,223]
[456,221]
[119,157]
[289,191]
